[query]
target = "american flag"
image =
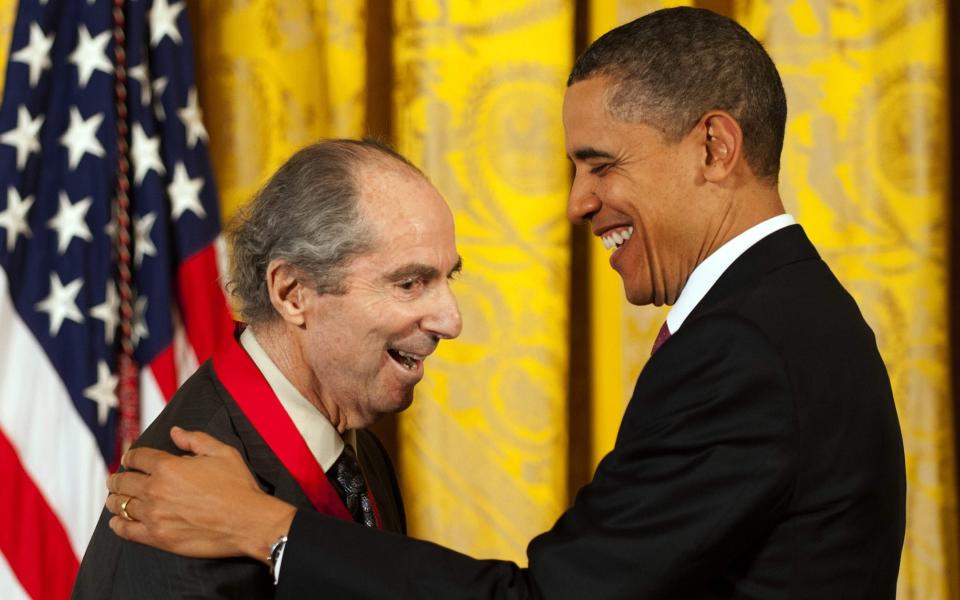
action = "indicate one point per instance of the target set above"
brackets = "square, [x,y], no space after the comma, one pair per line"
[59,306]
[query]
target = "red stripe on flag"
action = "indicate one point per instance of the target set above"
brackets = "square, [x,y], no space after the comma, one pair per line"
[206,316]
[32,539]
[165,372]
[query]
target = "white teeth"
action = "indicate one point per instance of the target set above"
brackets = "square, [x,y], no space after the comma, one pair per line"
[408,359]
[616,238]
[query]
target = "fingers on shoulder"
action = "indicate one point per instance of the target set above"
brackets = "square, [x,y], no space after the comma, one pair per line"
[134,531]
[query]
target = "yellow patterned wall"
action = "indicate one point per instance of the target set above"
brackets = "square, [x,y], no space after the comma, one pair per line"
[864,169]
[274,76]
[8,14]
[621,334]
[478,100]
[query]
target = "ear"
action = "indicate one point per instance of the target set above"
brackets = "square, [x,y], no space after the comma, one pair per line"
[287,291]
[723,141]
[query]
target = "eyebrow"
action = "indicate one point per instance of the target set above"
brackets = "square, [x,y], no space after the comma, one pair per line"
[590,152]
[420,270]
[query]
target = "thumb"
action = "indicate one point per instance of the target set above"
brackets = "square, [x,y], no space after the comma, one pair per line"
[197,442]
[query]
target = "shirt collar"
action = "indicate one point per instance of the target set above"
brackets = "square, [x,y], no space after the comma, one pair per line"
[709,271]
[324,441]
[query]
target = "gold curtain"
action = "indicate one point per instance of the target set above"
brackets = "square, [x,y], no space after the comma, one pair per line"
[621,335]
[477,106]
[864,170]
[8,14]
[274,76]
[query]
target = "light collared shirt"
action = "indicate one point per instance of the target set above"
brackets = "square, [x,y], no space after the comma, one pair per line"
[709,271]
[322,438]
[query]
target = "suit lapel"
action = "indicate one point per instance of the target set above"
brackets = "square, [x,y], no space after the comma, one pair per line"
[263,462]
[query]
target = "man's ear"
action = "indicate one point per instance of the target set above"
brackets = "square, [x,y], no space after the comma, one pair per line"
[723,140]
[287,291]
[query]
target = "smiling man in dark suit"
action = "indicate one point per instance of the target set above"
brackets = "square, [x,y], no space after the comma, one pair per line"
[760,455]
[340,268]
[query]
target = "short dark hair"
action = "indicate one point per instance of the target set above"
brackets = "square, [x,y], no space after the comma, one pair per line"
[307,214]
[676,64]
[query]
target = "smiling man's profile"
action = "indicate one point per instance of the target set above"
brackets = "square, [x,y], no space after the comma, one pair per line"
[341,269]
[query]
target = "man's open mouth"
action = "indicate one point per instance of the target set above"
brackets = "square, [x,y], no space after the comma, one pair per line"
[616,237]
[408,360]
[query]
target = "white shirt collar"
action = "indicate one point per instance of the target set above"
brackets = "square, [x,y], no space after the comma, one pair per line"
[322,438]
[709,271]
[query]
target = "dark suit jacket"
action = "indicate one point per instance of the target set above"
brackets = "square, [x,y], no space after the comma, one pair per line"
[117,569]
[759,457]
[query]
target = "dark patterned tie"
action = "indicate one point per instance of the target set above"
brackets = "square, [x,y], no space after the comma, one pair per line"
[662,337]
[347,478]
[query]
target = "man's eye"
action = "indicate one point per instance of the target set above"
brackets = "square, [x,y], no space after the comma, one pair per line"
[600,169]
[408,284]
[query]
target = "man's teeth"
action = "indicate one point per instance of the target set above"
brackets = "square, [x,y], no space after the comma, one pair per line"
[615,239]
[408,359]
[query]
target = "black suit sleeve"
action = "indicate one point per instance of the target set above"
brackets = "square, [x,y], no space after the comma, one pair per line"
[703,465]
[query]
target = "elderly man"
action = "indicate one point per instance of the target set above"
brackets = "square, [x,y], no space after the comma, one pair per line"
[760,455]
[341,269]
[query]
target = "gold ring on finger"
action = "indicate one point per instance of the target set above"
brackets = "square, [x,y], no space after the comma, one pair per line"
[123,509]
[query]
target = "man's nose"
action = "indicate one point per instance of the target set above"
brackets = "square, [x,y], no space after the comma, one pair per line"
[444,320]
[583,203]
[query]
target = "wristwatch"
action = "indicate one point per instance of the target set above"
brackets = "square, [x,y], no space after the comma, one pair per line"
[276,555]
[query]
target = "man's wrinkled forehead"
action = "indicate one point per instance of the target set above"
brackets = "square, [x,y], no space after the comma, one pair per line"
[399,205]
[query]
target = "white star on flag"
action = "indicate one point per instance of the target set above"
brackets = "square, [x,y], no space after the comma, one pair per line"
[81,137]
[61,303]
[108,311]
[185,193]
[193,119]
[36,54]
[142,244]
[70,221]
[163,21]
[14,217]
[91,55]
[24,137]
[111,228]
[140,74]
[103,392]
[159,86]
[139,330]
[145,152]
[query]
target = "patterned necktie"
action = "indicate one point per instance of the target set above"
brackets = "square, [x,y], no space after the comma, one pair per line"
[662,337]
[347,479]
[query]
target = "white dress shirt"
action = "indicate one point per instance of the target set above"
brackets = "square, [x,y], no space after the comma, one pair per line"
[709,271]
[324,441]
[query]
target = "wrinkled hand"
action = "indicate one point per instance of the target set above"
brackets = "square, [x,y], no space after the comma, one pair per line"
[206,505]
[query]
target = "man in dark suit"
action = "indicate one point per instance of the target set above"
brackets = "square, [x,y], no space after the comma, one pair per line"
[760,455]
[340,270]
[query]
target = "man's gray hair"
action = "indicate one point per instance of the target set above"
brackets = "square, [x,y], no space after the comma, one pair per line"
[307,215]
[675,65]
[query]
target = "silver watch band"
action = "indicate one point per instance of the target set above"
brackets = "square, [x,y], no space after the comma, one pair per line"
[276,557]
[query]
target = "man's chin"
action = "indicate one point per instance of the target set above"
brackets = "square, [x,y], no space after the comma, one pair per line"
[397,402]
[639,297]
[405,401]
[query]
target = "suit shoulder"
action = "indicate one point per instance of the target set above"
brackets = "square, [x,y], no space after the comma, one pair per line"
[720,360]
[198,405]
